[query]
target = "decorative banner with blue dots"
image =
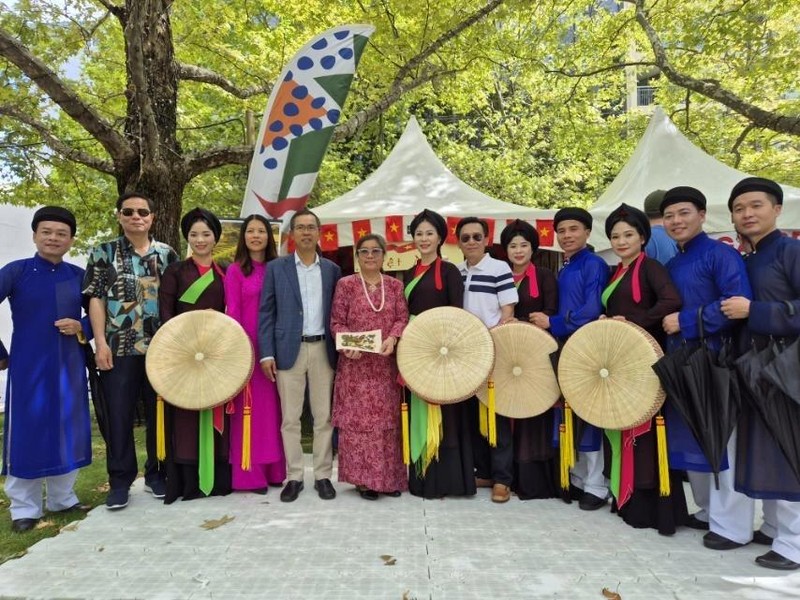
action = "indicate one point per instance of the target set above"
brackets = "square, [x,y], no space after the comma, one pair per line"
[304,107]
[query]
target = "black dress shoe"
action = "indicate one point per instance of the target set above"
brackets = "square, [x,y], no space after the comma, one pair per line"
[368,494]
[717,542]
[325,489]
[20,525]
[773,560]
[591,502]
[694,523]
[291,491]
[394,494]
[761,538]
[76,506]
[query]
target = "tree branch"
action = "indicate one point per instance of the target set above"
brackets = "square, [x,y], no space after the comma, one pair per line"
[614,67]
[188,72]
[58,146]
[200,162]
[739,141]
[117,11]
[712,89]
[58,91]
[400,86]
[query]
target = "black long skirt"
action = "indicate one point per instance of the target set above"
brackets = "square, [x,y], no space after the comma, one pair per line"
[646,508]
[453,474]
[536,473]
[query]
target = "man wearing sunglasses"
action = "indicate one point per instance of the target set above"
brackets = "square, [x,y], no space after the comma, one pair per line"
[122,282]
[490,295]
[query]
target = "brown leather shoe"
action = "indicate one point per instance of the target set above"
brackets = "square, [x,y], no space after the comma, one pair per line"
[483,483]
[501,493]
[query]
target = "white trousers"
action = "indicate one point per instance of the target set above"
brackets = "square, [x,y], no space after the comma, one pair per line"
[729,513]
[782,523]
[26,494]
[587,474]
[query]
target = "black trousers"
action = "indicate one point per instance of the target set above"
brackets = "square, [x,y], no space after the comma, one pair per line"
[122,387]
[495,463]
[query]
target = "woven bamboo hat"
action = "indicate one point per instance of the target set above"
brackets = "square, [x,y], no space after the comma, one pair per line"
[445,355]
[605,372]
[524,380]
[199,359]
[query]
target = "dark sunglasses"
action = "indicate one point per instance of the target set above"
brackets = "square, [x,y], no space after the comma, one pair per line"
[477,237]
[129,212]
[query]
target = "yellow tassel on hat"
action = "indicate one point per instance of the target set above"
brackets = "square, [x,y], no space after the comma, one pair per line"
[569,432]
[564,467]
[491,417]
[246,427]
[406,434]
[161,438]
[483,419]
[664,488]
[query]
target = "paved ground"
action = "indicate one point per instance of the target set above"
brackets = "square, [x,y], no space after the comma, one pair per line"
[403,548]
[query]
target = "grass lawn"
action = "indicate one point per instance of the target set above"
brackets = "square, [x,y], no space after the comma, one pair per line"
[91,487]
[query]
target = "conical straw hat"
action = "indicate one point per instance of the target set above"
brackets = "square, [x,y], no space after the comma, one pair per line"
[445,355]
[199,359]
[605,372]
[525,383]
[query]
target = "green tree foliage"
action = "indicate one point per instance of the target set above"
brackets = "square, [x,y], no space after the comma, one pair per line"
[524,100]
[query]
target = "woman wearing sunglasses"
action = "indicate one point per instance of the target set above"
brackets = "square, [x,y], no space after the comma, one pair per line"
[366,396]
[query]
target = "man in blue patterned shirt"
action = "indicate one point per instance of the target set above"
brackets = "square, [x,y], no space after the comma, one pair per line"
[122,281]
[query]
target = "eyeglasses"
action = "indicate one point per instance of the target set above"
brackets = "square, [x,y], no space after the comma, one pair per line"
[370,251]
[305,228]
[476,237]
[129,212]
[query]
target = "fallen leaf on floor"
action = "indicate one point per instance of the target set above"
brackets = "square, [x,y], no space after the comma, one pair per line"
[611,595]
[214,523]
[101,548]
[388,560]
[43,524]
[103,487]
[71,527]
[203,581]
[406,595]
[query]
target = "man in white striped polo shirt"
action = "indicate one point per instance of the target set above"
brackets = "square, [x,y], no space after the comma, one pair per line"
[490,295]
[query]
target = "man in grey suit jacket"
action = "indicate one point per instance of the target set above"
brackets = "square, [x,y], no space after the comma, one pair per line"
[295,342]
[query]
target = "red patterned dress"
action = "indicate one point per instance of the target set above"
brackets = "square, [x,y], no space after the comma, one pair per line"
[366,397]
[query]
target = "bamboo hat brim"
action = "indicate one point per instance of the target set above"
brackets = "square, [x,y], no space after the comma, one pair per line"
[199,359]
[445,355]
[524,380]
[605,372]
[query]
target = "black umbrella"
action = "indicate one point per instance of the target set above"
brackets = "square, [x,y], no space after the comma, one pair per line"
[700,385]
[782,371]
[98,397]
[780,414]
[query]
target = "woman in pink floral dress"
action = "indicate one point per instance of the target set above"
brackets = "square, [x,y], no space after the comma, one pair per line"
[367,398]
[243,283]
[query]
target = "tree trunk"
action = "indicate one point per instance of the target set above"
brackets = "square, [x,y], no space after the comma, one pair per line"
[158,169]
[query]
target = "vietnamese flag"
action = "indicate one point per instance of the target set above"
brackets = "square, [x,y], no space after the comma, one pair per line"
[452,223]
[360,229]
[394,228]
[544,228]
[490,223]
[328,237]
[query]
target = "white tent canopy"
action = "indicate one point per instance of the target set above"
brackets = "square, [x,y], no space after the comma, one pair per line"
[409,180]
[665,158]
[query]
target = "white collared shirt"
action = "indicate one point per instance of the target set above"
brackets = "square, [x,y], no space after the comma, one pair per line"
[488,286]
[310,279]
